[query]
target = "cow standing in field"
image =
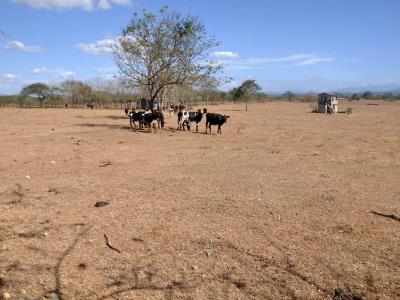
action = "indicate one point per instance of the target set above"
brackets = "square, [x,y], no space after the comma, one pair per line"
[136,117]
[150,118]
[175,108]
[147,119]
[186,118]
[215,119]
[183,120]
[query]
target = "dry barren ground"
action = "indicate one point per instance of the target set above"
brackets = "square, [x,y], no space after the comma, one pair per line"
[277,207]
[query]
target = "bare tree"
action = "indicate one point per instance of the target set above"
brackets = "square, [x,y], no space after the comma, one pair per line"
[209,84]
[156,51]
[77,93]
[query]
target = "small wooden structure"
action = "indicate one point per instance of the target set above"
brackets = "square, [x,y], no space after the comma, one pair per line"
[327,103]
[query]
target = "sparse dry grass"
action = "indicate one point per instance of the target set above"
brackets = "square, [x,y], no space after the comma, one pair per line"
[283,198]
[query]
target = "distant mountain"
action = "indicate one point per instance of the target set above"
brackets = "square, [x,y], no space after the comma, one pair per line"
[396,91]
[393,88]
[382,88]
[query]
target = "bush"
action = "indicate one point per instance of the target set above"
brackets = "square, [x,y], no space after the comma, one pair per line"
[18,192]
[349,110]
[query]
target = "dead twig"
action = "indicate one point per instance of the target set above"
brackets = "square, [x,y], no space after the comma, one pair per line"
[105,164]
[109,245]
[393,217]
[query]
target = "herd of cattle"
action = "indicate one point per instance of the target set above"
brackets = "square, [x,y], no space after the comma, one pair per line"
[155,119]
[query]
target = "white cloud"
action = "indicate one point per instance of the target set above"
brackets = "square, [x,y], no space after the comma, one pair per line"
[9,82]
[297,59]
[58,4]
[64,74]
[313,60]
[104,4]
[87,5]
[19,46]
[122,2]
[8,77]
[100,47]
[226,54]
[107,77]
[41,70]
[293,60]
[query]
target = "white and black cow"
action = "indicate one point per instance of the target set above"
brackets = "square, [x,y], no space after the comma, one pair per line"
[175,108]
[146,118]
[156,116]
[136,117]
[215,119]
[185,118]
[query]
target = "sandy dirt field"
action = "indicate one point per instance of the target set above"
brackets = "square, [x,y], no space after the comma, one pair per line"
[280,206]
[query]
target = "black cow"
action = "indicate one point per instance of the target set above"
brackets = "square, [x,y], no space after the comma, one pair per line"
[149,117]
[215,119]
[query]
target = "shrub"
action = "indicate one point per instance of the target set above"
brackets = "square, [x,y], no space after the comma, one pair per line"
[349,110]
[18,191]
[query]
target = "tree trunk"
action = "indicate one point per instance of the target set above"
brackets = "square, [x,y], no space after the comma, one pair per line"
[41,99]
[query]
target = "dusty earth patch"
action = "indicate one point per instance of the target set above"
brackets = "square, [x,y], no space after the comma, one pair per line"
[277,207]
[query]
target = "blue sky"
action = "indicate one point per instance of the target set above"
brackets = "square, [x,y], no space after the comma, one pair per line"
[283,44]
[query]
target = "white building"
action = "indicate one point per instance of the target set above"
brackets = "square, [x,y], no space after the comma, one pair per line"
[327,103]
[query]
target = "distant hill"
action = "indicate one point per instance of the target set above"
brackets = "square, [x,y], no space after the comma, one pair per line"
[377,89]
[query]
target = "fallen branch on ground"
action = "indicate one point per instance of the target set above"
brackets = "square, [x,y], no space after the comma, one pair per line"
[393,217]
[109,245]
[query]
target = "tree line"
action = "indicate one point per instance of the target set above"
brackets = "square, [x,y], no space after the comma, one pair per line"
[113,94]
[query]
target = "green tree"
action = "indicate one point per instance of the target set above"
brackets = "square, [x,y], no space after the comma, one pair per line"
[288,95]
[236,94]
[247,89]
[156,51]
[387,96]
[38,90]
[368,95]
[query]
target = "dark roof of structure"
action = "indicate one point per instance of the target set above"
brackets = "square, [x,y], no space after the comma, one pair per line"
[328,94]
